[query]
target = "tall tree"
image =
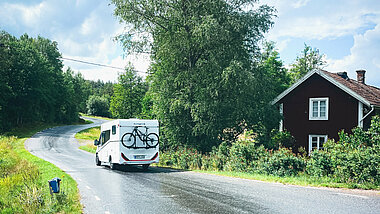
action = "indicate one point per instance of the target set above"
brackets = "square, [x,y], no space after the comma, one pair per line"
[128,94]
[308,60]
[204,74]
[32,85]
[274,70]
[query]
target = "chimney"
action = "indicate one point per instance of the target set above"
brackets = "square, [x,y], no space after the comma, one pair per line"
[361,76]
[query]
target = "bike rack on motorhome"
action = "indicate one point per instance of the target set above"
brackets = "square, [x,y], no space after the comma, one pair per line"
[128,142]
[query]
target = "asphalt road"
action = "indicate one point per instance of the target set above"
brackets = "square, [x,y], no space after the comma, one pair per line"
[160,190]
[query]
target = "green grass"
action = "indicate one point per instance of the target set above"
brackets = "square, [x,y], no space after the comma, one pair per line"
[24,178]
[89,148]
[87,137]
[300,180]
[89,134]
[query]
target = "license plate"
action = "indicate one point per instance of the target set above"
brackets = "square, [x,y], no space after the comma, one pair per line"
[139,156]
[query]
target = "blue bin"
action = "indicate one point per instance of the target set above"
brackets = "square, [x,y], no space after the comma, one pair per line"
[55,184]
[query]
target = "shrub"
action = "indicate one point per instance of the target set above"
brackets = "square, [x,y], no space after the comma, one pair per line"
[98,106]
[218,156]
[320,164]
[284,162]
[355,156]
[281,139]
[182,157]
[245,156]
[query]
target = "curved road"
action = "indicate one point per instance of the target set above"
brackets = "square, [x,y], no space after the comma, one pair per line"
[160,190]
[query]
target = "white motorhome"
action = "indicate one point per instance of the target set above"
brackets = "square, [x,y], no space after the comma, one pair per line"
[128,141]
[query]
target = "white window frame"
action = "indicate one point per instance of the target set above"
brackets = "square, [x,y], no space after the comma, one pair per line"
[311,101]
[318,138]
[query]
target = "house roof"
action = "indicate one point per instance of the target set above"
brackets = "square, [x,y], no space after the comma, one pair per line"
[368,95]
[368,92]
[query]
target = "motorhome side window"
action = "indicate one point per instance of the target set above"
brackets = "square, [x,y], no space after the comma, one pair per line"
[105,136]
[113,130]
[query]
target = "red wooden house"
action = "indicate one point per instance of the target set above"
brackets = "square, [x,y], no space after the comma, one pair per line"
[321,104]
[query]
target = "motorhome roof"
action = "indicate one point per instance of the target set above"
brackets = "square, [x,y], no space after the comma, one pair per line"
[133,122]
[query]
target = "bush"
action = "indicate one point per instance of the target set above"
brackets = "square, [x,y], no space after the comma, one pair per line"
[320,164]
[98,106]
[354,158]
[182,157]
[281,139]
[245,156]
[284,162]
[218,156]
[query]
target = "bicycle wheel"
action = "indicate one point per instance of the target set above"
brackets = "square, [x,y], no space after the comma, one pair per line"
[152,140]
[128,140]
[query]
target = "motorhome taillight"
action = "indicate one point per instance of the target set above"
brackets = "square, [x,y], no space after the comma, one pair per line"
[123,156]
[155,156]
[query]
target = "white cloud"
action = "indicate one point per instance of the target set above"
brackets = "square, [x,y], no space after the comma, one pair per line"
[282,44]
[363,55]
[84,30]
[300,3]
[321,19]
[318,27]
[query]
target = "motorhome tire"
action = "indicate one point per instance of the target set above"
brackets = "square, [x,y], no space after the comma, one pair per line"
[112,166]
[97,161]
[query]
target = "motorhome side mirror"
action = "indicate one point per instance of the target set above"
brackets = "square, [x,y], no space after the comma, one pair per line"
[96,142]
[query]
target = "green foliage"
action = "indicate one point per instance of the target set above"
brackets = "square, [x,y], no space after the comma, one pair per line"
[219,156]
[353,160]
[204,79]
[284,162]
[277,76]
[182,157]
[320,164]
[23,182]
[98,106]
[33,86]
[280,139]
[129,100]
[308,60]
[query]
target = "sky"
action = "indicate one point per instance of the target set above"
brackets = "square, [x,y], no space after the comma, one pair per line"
[347,33]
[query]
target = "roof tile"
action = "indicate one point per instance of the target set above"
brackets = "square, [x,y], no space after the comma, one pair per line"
[370,93]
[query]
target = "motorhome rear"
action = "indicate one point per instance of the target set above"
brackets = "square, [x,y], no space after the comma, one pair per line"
[128,141]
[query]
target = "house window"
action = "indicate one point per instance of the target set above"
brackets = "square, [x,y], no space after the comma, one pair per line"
[316,142]
[319,108]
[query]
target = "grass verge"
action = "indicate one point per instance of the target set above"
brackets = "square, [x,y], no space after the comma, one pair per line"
[24,178]
[86,138]
[301,180]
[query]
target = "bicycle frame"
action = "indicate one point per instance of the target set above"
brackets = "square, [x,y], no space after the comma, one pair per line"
[143,138]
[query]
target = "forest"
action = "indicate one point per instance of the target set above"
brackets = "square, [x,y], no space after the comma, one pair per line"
[203,91]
